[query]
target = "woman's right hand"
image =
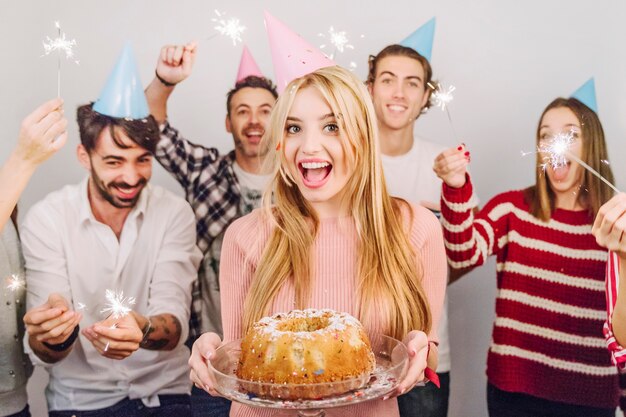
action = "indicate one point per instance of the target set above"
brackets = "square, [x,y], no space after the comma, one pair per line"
[202,351]
[451,166]
[610,225]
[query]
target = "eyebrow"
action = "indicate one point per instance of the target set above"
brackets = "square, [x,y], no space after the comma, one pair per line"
[121,158]
[324,117]
[416,77]
[567,125]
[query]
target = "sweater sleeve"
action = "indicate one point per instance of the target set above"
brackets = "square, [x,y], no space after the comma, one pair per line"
[470,239]
[237,270]
[427,237]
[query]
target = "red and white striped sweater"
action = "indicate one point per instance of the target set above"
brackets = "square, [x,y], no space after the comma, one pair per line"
[550,305]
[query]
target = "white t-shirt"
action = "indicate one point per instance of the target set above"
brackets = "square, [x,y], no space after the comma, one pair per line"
[411,177]
[248,181]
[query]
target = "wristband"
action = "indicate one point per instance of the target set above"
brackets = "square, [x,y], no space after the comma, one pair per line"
[63,346]
[164,82]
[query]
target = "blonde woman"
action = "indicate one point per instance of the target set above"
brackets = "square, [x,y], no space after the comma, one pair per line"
[547,355]
[332,237]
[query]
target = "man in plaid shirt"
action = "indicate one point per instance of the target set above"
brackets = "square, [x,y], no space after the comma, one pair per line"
[220,188]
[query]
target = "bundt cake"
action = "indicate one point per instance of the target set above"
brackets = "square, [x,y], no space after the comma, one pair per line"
[321,347]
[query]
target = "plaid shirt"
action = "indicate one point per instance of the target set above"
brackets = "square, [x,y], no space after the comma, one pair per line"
[213,191]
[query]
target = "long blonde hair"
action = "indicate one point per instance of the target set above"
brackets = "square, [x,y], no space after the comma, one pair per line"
[593,192]
[389,270]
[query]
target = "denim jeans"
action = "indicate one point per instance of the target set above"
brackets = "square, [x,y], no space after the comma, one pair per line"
[513,404]
[171,406]
[205,405]
[427,401]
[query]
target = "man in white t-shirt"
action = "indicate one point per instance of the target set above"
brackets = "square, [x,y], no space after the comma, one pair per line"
[219,187]
[400,82]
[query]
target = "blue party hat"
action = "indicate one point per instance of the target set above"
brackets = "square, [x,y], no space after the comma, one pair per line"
[422,39]
[587,94]
[123,96]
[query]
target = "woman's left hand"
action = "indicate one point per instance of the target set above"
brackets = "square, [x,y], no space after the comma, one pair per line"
[417,347]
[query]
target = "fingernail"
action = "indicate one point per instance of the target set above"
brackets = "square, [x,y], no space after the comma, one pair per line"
[208,355]
[207,388]
[460,148]
[386,397]
[467,153]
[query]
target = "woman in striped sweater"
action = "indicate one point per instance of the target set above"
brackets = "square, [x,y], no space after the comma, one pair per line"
[330,236]
[547,355]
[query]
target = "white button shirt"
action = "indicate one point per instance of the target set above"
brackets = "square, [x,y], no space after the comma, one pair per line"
[155,260]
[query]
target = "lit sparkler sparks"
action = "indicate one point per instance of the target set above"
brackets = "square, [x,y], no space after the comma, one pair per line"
[555,150]
[556,154]
[60,44]
[442,96]
[15,282]
[230,28]
[338,39]
[118,305]
[81,307]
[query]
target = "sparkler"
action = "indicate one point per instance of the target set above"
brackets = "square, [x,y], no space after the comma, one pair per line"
[442,98]
[338,39]
[230,28]
[81,307]
[117,305]
[106,347]
[60,44]
[557,153]
[15,282]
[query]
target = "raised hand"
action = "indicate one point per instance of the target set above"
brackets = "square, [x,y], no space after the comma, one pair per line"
[451,166]
[175,62]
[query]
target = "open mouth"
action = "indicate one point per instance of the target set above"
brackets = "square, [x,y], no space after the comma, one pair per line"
[396,108]
[127,193]
[561,172]
[254,136]
[315,173]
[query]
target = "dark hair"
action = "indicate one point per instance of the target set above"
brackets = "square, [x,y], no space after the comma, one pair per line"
[399,50]
[144,132]
[593,192]
[251,81]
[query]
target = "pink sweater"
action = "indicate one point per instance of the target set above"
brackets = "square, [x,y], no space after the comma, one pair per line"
[335,267]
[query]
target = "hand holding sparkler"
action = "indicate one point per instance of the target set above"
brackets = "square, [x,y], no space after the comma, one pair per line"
[53,322]
[451,166]
[115,337]
[43,133]
[610,225]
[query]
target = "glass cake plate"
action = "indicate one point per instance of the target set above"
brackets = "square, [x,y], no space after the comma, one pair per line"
[391,367]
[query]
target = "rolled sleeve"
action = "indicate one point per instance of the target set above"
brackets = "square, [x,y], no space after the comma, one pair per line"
[176,270]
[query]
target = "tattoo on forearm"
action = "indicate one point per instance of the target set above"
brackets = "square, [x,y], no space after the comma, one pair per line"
[163,334]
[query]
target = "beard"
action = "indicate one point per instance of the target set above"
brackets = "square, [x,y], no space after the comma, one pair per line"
[247,149]
[103,191]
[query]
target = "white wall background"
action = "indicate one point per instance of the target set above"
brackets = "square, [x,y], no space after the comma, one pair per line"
[507,59]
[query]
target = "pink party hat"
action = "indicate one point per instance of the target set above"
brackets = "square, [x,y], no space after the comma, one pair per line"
[247,66]
[293,57]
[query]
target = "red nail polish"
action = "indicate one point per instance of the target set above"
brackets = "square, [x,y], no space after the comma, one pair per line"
[467,153]
[460,148]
